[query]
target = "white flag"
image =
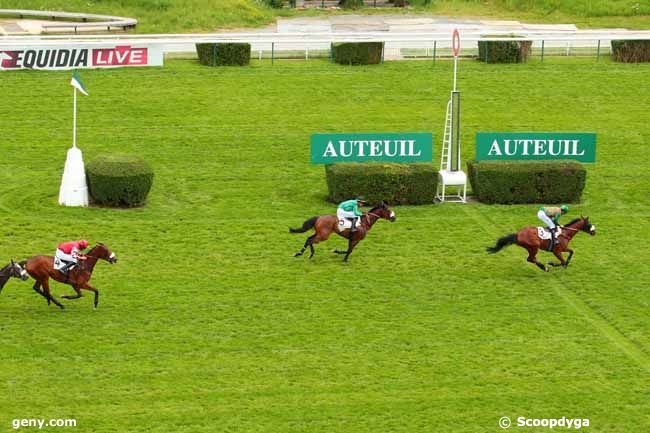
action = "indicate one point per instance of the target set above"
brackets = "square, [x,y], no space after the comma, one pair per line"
[77,84]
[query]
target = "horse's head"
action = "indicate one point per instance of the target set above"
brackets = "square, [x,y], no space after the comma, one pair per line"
[18,271]
[588,227]
[101,251]
[383,211]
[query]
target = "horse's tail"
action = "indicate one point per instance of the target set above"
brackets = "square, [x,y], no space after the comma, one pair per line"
[503,242]
[305,226]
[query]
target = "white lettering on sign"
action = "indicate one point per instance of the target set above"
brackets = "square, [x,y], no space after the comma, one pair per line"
[79,57]
[539,148]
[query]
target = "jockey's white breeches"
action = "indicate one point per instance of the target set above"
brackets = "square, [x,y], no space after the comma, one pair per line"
[65,257]
[345,214]
[545,219]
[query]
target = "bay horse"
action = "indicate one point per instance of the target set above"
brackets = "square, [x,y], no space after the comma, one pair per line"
[325,225]
[41,268]
[529,239]
[13,269]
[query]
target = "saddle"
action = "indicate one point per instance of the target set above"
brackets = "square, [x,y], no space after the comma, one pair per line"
[545,234]
[60,264]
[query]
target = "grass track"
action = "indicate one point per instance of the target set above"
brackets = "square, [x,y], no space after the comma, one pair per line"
[208,324]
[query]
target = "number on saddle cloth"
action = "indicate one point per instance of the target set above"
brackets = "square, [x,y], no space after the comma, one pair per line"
[344,224]
[543,233]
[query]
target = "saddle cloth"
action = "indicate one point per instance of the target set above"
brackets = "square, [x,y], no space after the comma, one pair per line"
[58,263]
[343,224]
[543,233]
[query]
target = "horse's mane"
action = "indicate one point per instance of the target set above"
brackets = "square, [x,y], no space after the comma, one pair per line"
[573,221]
[3,270]
[379,206]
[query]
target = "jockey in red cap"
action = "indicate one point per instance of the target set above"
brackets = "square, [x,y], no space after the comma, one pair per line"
[70,253]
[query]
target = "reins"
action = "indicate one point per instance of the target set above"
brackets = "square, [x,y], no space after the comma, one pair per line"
[370,213]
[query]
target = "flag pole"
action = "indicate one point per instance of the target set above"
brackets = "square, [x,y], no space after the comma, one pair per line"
[74,119]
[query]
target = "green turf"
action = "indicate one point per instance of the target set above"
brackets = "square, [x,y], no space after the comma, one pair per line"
[183,16]
[208,324]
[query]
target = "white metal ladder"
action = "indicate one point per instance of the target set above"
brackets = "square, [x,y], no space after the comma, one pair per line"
[445,151]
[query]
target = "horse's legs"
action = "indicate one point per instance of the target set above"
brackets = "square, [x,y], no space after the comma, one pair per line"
[76,289]
[94,290]
[351,244]
[318,237]
[40,292]
[304,247]
[558,254]
[345,251]
[568,258]
[46,290]
[532,253]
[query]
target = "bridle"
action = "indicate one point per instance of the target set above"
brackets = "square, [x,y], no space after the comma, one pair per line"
[373,214]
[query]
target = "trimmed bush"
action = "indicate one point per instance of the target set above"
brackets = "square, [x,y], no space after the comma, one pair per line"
[357,53]
[508,182]
[119,180]
[390,182]
[227,54]
[631,51]
[351,4]
[276,4]
[503,51]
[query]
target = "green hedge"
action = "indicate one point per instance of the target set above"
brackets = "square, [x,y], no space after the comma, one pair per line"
[276,4]
[357,53]
[390,182]
[351,4]
[503,51]
[631,51]
[226,54]
[508,182]
[119,180]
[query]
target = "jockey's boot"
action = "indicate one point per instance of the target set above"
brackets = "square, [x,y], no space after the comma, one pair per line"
[553,239]
[65,268]
[354,225]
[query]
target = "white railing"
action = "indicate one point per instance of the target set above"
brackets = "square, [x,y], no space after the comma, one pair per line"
[431,44]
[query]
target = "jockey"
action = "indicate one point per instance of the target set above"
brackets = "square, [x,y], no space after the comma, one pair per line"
[551,217]
[350,210]
[70,253]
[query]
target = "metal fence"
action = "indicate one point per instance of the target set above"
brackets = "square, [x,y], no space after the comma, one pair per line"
[398,46]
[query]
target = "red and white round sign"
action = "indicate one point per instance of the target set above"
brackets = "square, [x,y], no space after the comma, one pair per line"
[455,43]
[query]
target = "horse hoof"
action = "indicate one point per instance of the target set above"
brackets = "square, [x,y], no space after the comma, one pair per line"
[546,269]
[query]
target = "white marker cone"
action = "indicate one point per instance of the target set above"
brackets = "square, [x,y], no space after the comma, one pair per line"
[74,191]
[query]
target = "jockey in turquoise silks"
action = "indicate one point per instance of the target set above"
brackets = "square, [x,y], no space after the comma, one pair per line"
[550,215]
[349,209]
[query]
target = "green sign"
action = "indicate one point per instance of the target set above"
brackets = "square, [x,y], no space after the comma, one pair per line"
[391,147]
[578,146]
